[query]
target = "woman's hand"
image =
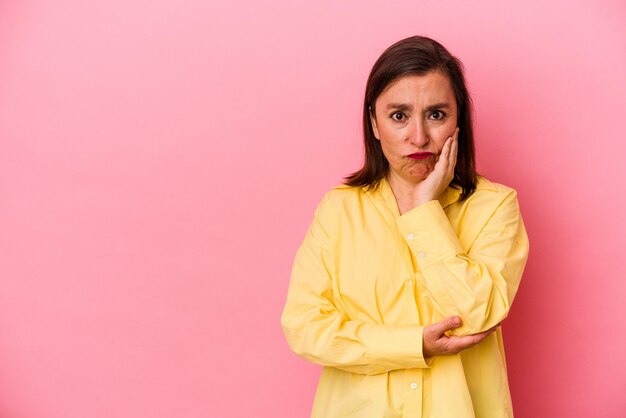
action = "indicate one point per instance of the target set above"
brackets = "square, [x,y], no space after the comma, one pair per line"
[438,180]
[437,343]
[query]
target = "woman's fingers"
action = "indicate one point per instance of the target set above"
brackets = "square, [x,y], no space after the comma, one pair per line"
[447,324]
[447,160]
[455,344]
[454,147]
[444,157]
[449,143]
[436,342]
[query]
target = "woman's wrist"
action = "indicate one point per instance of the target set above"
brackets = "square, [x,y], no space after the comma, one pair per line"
[421,200]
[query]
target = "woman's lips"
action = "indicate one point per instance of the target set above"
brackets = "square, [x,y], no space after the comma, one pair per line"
[420,155]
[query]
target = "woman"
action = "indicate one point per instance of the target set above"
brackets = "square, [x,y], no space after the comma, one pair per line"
[408,268]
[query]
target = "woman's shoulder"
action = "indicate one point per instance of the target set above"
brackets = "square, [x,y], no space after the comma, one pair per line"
[342,195]
[486,186]
[334,204]
[344,191]
[490,197]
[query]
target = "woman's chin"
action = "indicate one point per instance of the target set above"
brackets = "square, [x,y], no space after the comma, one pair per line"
[417,174]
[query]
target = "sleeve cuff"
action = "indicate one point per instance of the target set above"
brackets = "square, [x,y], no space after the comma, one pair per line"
[398,347]
[428,233]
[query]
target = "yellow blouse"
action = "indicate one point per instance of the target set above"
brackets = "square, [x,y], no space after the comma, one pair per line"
[366,280]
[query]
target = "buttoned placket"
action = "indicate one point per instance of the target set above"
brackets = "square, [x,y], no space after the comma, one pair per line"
[414,378]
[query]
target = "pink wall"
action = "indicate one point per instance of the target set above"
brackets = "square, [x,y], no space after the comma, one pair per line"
[160,162]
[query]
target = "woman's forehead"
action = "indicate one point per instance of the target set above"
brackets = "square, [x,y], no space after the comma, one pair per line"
[433,86]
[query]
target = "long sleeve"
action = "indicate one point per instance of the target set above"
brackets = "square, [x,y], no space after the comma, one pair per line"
[479,283]
[318,331]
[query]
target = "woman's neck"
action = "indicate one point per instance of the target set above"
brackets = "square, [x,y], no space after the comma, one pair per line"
[403,191]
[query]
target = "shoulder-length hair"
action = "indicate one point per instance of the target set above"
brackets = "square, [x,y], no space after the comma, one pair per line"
[416,55]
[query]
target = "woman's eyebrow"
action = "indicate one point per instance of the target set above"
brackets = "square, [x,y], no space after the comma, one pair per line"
[405,106]
[442,105]
[399,106]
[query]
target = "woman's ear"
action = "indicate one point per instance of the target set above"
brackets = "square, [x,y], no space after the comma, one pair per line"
[373,122]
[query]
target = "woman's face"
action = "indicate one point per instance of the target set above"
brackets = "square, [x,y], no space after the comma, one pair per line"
[415,115]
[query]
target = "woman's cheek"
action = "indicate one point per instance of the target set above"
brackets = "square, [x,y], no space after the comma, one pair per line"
[450,128]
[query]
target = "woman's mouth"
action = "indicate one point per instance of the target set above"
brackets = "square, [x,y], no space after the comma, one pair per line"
[420,155]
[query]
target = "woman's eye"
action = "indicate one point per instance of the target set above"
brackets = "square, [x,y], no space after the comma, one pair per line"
[398,116]
[437,115]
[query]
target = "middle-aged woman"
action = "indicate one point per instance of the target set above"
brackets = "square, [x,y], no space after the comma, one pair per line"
[408,269]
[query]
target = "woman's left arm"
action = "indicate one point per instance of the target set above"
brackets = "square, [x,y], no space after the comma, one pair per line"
[478,283]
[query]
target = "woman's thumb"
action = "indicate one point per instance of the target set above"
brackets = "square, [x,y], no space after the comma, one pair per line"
[449,323]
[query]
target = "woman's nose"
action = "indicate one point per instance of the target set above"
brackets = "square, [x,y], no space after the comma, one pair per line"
[419,135]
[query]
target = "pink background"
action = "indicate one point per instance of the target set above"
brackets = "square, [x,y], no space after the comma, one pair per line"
[161,160]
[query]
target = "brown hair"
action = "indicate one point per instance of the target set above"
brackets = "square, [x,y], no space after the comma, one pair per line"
[416,55]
